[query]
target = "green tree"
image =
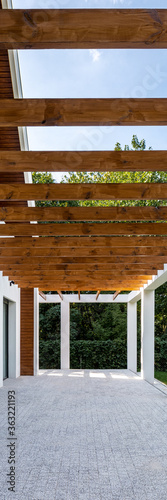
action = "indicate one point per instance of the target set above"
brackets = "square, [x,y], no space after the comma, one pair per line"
[46,178]
[118,177]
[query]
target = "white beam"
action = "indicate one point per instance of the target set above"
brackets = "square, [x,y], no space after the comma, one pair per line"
[86,298]
[132,337]
[158,281]
[147,335]
[1,332]
[65,335]
[14,339]
[134,296]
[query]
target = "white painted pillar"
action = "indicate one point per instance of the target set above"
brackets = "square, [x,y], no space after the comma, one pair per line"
[132,336]
[36,331]
[147,335]
[65,334]
[14,338]
[1,334]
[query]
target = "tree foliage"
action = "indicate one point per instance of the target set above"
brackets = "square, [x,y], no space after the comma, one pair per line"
[118,177]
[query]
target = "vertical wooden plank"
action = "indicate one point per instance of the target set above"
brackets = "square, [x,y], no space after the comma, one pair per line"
[27,332]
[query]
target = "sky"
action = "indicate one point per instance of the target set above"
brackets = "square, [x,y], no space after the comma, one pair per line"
[93,73]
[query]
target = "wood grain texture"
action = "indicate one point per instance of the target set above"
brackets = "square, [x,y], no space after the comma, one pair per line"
[82,161]
[78,275]
[34,283]
[82,251]
[84,241]
[83,28]
[83,112]
[27,332]
[113,191]
[84,229]
[114,259]
[137,213]
[136,269]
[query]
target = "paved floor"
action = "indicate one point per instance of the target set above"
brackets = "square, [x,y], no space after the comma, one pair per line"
[86,435]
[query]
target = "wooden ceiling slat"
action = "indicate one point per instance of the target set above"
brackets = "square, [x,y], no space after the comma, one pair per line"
[80,161]
[84,241]
[42,265]
[83,112]
[114,259]
[61,283]
[83,29]
[76,274]
[84,229]
[121,213]
[83,251]
[119,191]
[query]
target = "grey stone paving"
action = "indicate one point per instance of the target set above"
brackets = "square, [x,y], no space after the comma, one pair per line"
[86,435]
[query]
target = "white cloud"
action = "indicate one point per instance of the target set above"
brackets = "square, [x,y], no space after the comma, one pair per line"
[95,54]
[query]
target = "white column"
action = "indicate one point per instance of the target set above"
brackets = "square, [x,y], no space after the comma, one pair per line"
[147,335]
[1,335]
[132,337]
[14,338]
[36,331]
[65,334]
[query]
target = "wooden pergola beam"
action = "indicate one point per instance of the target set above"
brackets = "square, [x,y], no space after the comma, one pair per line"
[97,294]
[98,265]
[81,161]
[80,283]
[60,294]
[83,252]
[116,294]
[84,229]
[113,191]
[114,259]
[83,112]
[27,214]
[95,242]
[77,274]
[83,29]
[79,295]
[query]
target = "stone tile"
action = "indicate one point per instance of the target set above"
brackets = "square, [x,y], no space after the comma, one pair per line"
[86,438]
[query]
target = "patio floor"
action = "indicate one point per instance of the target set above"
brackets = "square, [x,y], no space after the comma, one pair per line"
[86,435]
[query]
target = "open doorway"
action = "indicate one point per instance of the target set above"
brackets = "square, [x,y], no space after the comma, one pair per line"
[49,336]
[98,336]
[5,339]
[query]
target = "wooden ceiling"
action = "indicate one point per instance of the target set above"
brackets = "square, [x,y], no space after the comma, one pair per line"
[80,248]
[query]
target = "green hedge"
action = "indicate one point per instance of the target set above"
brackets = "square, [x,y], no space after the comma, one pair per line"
[49,354]
[98,354]
[85,354]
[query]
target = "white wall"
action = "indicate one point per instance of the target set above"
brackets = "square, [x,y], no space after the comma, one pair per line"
[12,294]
